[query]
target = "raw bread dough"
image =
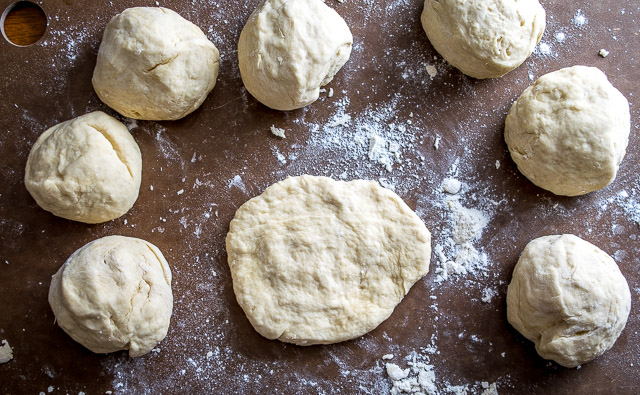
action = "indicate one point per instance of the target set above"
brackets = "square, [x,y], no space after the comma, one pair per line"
[568,132]
[569,298]
[86,169]
[114,294]
[155,65]
[484,38]
[315,260]
[289,49]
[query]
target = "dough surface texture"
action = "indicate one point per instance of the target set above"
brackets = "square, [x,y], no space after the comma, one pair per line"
[87,169]
[315,260]
[154,65]
[289,49]
[114,294]
[569,298]
[484,38]
[569,130]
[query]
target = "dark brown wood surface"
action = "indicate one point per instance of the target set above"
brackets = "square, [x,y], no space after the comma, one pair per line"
[190,191]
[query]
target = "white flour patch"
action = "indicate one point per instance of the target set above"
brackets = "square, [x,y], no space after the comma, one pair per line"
[458,256]
[488,294]
[6,352]
[544,49]
[279,132]
[420,378]
[131,123]
[281,158]
[432,71]
[579,19]
[237,182]
[451,186]
[167,147]
[375,144]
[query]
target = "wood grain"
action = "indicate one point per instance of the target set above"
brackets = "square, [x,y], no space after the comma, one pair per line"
[25,24]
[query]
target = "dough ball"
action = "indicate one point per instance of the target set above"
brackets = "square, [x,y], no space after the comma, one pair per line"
[484,38]
[114,294]
[87,169]
[154,65]
[568,132]
[569,298]
[315,260]
[289,49]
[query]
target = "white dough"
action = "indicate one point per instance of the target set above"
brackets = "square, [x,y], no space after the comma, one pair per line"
[86,169]
[569,298]
[569,130]
[154,65]
[114,294]
[484,38]
[315,260]
[289,49]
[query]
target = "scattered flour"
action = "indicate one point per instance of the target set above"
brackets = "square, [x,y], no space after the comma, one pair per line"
[432,71]
[420,378]
[488,294]
[131,123]
[451,186]
[279,132]
[237,182]
[380,152]
[458,256]
[436,142]
[544,49]
[395,373]
[6,352]
[579,19]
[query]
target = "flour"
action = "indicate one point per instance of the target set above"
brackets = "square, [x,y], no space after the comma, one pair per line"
[544,49]
[6,352]
[458,256]
[488,294]
[279,132]
[131,123]
[237,182]
[420,378]
[432,71]
[560,37]
[378,152]
[451,186]
[206,355]
[579,20]
[375,143]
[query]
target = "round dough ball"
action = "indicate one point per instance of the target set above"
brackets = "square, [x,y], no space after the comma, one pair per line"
[87,169]
[569,298]
[114,294]
[315,260]
[154,65]
[484,38]
[568,132]
[289,49]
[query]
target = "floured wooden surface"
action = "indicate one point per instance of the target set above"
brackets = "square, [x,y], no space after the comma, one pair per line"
[395,105]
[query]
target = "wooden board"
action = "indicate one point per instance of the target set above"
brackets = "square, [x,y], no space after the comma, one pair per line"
[199,170]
